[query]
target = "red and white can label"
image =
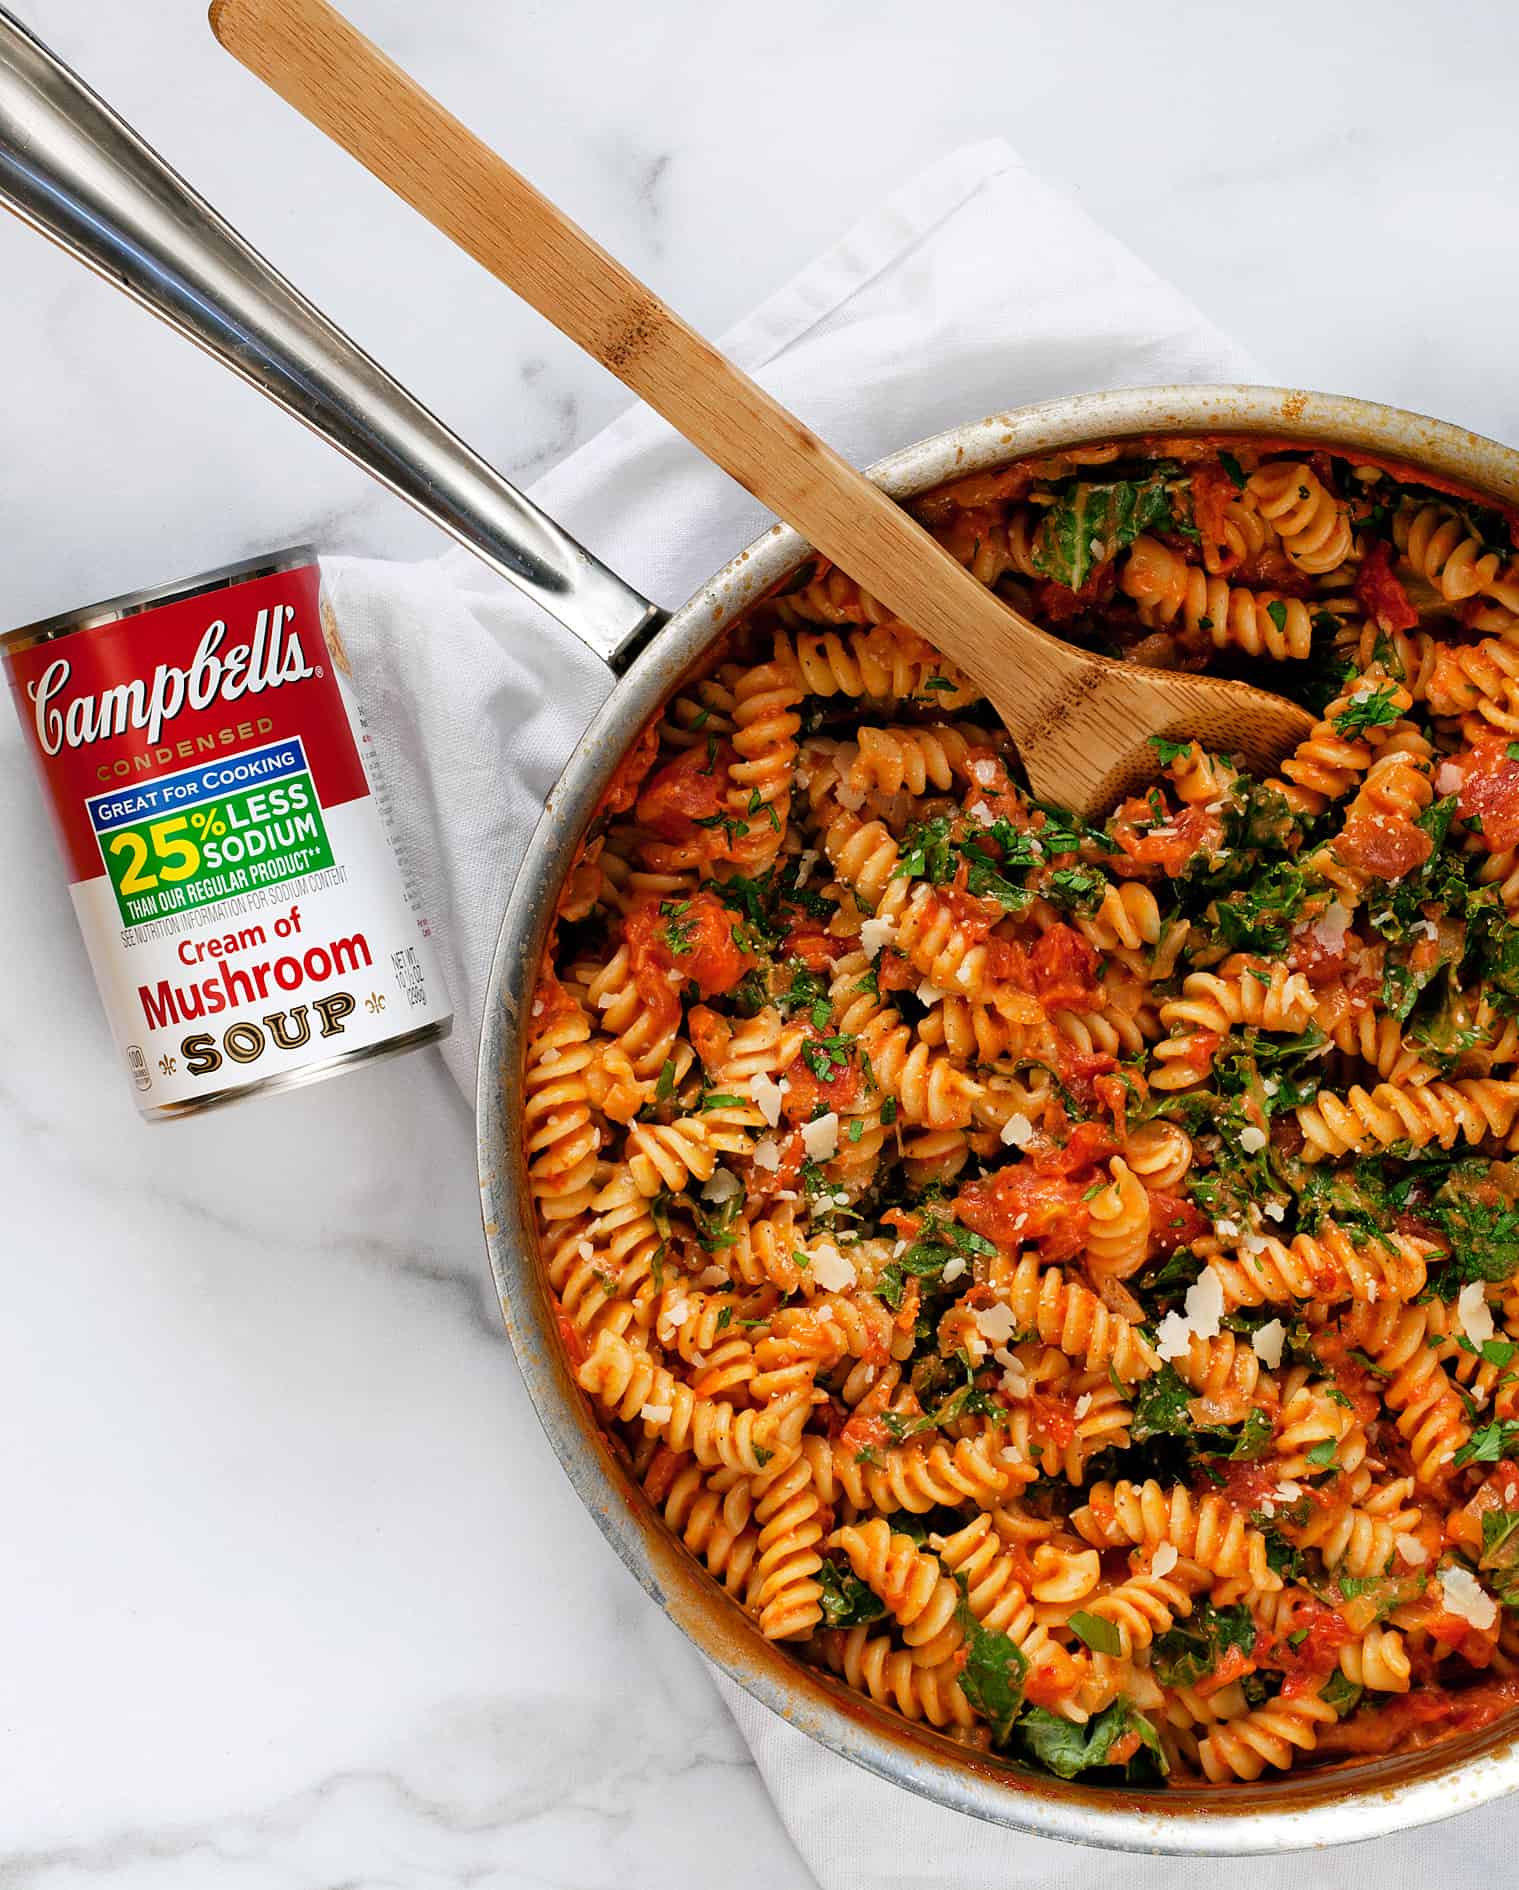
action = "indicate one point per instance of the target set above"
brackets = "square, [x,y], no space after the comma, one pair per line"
[229,848]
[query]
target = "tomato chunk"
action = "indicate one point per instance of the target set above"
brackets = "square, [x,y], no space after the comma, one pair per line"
[1379,592]
[1064,971]
[1168,844]
[1021,1204]
[1490,793]
[671,941]
[684,791]
[1385,845]
[824,1072]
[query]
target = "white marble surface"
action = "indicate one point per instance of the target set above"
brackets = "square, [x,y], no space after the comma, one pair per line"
[294,1594]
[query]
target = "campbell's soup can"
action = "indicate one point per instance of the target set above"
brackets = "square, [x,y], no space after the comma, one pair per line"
[227,838]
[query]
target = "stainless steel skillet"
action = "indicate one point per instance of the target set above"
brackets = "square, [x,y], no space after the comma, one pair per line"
[71,168]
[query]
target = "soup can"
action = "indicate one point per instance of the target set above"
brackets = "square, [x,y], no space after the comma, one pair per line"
[227,836]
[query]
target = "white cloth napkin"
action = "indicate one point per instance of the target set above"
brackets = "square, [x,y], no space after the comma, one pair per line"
[974,288]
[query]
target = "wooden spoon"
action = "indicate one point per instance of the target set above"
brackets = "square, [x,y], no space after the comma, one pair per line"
[1081,721]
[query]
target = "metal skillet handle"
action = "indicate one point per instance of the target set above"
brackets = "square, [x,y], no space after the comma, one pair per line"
[75,171]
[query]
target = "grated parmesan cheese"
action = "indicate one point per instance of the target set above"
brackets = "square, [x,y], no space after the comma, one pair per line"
[1266,1343]
[1330,927]
[832,1271]
[1474,1313]
[995,1323]
[875,934]
[1014,1379]
[767,1154]
[1411,1549]
[982,814]
[985,772]
[1083,1405]
[821,1138]
[1465,1596]
[1164,1559]
[767,1096]
[722,1187]
[1017,1131]
[1201,1318]
[929,993]
[606,1000]
[953,1269]
[1251,1139]
[1448,778]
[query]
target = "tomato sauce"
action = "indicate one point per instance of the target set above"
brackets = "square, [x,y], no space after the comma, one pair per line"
[893,973]
[622,789]
[1406,1721]
[1167,846]
[816,948]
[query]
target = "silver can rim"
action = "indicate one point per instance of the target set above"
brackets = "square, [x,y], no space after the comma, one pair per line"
[155,596]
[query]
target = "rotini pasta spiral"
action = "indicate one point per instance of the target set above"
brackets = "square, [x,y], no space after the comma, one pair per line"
[1442,550]
[626,1380]
[1273,1735]
[1330,1265]
[891,1678]
[1260,623]
[709,1511]
[1443,1113]
[921,1597]
[1313,526]
[1205,1529]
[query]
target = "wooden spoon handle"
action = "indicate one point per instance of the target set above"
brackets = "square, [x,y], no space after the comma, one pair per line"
[319,63]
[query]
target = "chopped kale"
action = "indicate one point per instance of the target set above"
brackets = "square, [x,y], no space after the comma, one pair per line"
[1090,524]
[1191,1650]
[1070,1750]
[994,1672]
[847,1602]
